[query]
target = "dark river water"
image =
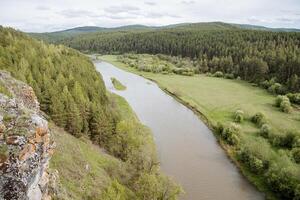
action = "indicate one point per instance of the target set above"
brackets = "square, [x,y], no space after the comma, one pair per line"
[187,149]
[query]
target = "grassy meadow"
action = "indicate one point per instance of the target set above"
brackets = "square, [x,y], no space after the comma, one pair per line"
[217,99]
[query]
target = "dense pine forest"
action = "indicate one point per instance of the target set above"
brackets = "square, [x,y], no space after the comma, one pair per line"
[253,55]
[72,93]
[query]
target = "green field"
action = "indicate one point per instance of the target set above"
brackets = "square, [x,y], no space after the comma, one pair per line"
[216,100]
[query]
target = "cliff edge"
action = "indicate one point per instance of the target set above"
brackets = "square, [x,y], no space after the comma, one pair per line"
[25,143]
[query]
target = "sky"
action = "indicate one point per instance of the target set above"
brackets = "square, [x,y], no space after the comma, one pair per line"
[54,15]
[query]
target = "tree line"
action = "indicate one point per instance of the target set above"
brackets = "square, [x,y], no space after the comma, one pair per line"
[255,56]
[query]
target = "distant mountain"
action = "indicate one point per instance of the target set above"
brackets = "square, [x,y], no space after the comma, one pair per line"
[68,33]
[263,28]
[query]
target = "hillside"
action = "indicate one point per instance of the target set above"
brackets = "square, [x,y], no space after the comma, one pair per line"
[58,36]
[72,94]
[254,56]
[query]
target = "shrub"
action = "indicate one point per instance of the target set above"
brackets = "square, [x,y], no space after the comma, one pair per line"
[229,76]
[239,116]
[296,142]
[255,164]
[265,130]
[259,119]
[276,88]
[294,98]
[296,154]
[282,181]
[218,74]
[230,134]
[219,128]
[265,84]
[285,106]
[279,99]
[285,141]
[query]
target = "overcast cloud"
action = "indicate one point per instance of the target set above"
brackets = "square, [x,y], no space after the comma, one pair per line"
[53,15]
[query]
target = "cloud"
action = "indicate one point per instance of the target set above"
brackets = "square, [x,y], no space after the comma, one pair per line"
[43,8]
[150,3]
[159,15]
[122,9]
[187,2]
[76,13]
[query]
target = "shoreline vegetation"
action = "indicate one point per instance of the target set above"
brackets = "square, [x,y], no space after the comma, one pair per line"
[117,84]
[255,142]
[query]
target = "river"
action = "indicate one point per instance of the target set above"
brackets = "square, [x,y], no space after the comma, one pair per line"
[187,149]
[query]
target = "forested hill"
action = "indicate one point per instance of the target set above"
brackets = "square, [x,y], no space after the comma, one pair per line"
[72,93]
[68,87]
[252,55]
[58,36]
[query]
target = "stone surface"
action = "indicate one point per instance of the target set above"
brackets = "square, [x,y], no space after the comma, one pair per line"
[25,144]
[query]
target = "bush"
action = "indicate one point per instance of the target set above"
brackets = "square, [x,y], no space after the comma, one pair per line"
[296,142]
[285,106]
[255,164]
[279,99]
[276,88]
[239,116]
[265,130]
[296,154]
[218,74]
[229,76]
[294,98]
[285,141]
[259,119]
[282,181]
[230,134]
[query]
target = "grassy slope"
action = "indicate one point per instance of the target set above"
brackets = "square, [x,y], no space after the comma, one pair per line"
[85,169]
[216,100]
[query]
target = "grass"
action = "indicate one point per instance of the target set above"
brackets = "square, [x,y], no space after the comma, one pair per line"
[4,90]
[217,99]
[84,169]
[117,84]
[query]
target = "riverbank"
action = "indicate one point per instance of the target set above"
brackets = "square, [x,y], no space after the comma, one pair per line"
[215,100]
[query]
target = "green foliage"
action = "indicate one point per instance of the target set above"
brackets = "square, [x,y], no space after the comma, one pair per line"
[284,103]
[259,119]
[115,191]
[265,130]
[294,98]
[230,134]
[152,186]
[3,152]
[66,83]
[117,84]
[218,74]
[286,140]
[239,116]
[285,106]
[296,155]
[282,181]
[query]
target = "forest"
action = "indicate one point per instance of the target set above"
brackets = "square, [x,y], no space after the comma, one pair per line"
[72,94]
[252,55]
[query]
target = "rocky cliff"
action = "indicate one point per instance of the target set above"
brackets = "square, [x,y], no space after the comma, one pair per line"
[25,143]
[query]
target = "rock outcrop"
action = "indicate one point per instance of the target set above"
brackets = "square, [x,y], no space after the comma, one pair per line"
[25,143]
